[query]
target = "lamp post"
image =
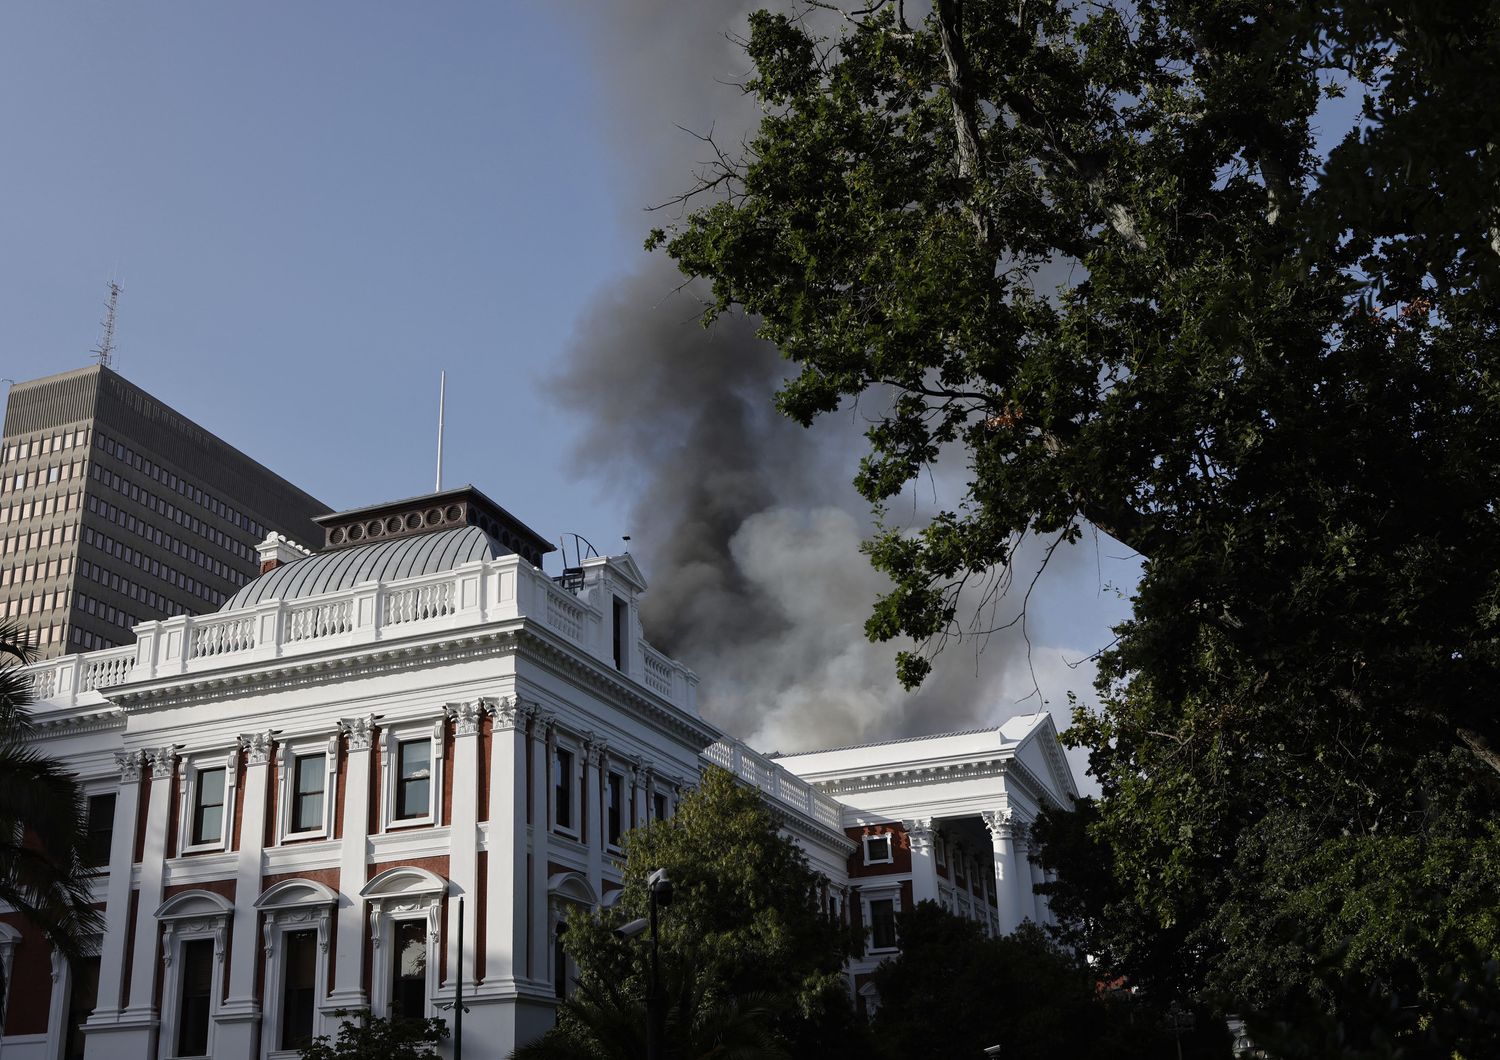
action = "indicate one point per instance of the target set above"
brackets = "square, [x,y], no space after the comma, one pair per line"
[659,890]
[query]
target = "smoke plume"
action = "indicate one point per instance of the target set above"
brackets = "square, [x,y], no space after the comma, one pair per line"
[745,523]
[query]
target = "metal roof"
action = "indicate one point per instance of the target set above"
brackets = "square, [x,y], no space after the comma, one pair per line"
[345,568]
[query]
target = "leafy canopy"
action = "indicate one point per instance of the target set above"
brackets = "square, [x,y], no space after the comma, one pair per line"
[749,961]
[1099,250]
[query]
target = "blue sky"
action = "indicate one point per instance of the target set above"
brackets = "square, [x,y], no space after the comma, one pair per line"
[313,207]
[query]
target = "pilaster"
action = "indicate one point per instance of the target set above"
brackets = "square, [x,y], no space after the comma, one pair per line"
[543,738]
[506,877]
[112,955]
[594,754]
[463,854]
[348,989]
[239,1014]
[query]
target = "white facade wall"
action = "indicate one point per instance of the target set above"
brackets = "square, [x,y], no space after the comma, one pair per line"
[503,675]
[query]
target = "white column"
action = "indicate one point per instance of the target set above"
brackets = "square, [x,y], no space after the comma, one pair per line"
[1002,834]
[348,988]
[1026,898]
[112,955]
[1038,877]
[594,752]
[463,853]
[543,737]
[506,879]
[924,878]
[153,862]
[240,1012]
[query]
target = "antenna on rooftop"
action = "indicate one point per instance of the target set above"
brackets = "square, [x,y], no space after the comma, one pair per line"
[442,398]
[104,352]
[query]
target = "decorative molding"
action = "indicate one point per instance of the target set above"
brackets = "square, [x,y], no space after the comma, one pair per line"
[508,713]
[163,759]
[360,730]
[130,764]
[465,717]
[1001,824]
[922,834]
[257,746]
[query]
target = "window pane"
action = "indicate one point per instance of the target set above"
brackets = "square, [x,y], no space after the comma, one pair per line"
[883,924]
[307,806]
[409,978]
[299,981]
[101,829]
[208,818]
[414,770]
[562,766]
[616,798]
[197,989]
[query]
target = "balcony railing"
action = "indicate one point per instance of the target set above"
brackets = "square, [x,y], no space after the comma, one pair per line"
[777,782]
[477,594]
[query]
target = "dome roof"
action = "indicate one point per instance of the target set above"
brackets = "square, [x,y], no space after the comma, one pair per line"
[345,568]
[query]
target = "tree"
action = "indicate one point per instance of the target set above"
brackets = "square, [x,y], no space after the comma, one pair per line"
[43,823]
[1099,250]
[1048,1002]
[751,965]
[365,1037]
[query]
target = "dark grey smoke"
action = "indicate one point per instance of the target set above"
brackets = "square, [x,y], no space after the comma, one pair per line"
[746,524]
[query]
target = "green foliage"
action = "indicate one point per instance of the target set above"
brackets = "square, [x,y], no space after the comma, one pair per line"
[43,823]
[750,966]
[365,1037]
[1049,1003]
[1095,248]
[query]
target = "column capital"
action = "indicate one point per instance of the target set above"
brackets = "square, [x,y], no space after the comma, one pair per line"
[594,750]
[257,746]
[163,759]
[465,717]
[508,713]
[921,833]
[1002,824]
[130,763]
[360,730]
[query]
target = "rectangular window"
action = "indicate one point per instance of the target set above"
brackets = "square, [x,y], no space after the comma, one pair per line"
[878,849]
[413,778]
[562,768]
[208,810]
[101,829]
[409,977]
[659,806]
[621,623]
[883,924]
[307,796]
[616,808]
[299,985]
[197,993]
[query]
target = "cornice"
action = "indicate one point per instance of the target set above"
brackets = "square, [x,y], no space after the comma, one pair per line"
[67,723]
[521,636]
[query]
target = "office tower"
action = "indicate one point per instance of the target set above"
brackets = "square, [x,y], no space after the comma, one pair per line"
[115,509]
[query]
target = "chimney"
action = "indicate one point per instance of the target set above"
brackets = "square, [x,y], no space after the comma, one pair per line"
[276,549]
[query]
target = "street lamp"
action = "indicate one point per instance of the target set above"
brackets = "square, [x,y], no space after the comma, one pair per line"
[656,1011]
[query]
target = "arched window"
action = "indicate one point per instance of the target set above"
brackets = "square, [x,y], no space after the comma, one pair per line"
[195,928]
[405,905]
[298,921]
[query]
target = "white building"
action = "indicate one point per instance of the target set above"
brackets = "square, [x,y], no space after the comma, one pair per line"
[290,798]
